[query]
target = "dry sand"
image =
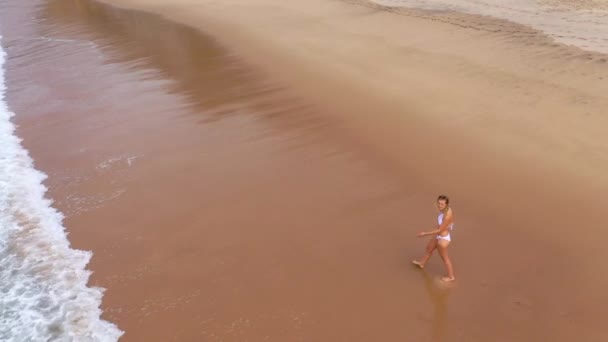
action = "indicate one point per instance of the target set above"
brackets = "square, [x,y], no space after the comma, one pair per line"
[267,184]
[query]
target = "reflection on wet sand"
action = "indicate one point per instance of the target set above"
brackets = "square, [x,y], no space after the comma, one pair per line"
[438,293]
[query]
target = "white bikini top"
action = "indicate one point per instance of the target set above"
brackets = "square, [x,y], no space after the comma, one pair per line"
[440,220]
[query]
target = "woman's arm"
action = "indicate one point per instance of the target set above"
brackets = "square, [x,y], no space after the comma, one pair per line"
[432,232]
[441,228]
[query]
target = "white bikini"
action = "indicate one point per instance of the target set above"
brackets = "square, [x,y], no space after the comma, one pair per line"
[447,237]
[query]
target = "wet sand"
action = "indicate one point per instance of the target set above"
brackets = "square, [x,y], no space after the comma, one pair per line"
[225,200]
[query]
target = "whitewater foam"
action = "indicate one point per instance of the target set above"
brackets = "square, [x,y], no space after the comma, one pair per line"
[43,282]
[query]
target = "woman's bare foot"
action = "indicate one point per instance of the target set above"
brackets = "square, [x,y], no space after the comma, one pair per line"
[447,279]
[418,263]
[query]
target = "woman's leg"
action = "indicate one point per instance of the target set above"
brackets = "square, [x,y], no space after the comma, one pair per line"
[442,247]
[430,248]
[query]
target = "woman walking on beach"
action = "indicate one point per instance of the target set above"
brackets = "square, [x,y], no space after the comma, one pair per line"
[441,238]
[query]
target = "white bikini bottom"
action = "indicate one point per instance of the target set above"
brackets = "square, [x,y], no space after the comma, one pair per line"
[446,238]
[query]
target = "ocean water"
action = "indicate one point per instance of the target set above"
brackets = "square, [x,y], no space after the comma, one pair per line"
[581,23]
[43,282]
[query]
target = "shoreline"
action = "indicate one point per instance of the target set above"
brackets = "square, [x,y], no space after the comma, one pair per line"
[576,23]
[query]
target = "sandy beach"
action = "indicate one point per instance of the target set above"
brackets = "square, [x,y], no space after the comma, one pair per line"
[257,170]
